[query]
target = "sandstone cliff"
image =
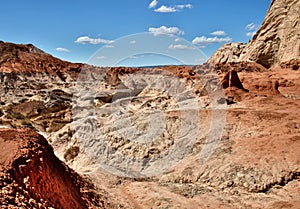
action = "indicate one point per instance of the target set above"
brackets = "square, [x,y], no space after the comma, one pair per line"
[276,41]
[229,52]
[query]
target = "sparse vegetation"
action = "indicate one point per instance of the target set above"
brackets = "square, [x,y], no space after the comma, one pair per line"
[26,122]
[71,153]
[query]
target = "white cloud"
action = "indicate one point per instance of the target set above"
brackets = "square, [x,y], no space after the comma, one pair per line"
[109,46]
[203,40]
[60,49]
[250,33]
[133,57]
[183,6]
[200,59]
[163,30]
[101,57]
[88,40]
[132,42]
[177,40]
[165,9]
[176,8]
[251,29]
[181,46]
[219,33]
[251,26]
[153,4]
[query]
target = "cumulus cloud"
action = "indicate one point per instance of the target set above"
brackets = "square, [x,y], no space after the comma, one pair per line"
[183,6]
[251,29]
[251,26]
[219,33]
[88,40]
[201,59]
[153,4]
[60,49]
[177,40]
[202,41]
[250,34]
[132,42]
[109,46]
[181,46]
[176,8]
[133,57]
[163,30]
[165,9]
[101,57]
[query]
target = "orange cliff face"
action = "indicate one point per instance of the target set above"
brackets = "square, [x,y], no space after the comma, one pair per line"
[33,177]
[26,58]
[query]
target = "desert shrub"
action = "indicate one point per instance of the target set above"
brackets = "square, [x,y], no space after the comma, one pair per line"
[71,153]
[26,122]
[56,125]
[18,115]
[9,115]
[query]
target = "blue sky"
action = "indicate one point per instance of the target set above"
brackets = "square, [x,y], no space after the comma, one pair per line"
[75,30]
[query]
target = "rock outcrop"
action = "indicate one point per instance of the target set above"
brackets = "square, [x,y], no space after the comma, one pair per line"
[231,79]
[276,41]
[278,38]
[26,58]
[229,52]
[33,177]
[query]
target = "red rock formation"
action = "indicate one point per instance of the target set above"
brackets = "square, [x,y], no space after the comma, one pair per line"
[231,79]
[21,58]
[33,177]
[293,64]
